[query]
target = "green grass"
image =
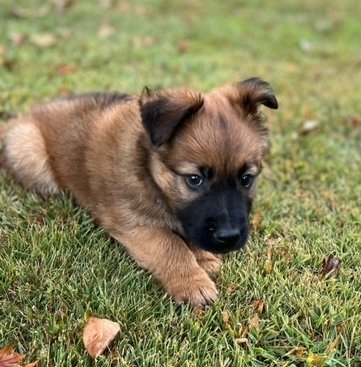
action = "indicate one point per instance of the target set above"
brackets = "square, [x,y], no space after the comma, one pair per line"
[57,268]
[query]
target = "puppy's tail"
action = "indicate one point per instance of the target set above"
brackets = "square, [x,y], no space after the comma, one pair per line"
[26,158]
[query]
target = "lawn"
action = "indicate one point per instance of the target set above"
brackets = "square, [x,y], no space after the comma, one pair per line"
[57,268]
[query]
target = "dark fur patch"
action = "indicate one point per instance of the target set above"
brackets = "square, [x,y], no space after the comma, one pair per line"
[256,91]
[218,220]
[163,115]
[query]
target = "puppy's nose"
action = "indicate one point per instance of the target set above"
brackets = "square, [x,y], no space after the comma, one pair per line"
[227,235]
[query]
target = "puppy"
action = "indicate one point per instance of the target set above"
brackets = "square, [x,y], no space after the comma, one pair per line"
[170,174]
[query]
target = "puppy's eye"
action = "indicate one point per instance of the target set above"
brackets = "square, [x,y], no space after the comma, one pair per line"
[246,180]
[194,181]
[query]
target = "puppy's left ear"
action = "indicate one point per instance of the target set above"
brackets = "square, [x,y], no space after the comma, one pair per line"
[163,113]
[251,93]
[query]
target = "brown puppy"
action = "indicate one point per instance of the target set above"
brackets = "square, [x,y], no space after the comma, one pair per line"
[171,174]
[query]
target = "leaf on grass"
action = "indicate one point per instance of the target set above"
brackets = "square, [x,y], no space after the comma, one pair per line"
[298,352]
[98,334]
[65,69]
[241,341]
[254,322]
[309,126]
[43,40]
[333,345]
[17,38]
[353,121]
[259,305]
[9,358]
[106,31]
[331,267]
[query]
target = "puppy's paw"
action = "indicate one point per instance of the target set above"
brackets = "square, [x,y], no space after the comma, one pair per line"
[197,289]
[209,262]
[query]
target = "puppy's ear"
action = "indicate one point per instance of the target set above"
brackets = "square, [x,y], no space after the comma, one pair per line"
[250,93]
[165,112]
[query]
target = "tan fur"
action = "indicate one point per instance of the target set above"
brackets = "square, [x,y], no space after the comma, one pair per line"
[105,159]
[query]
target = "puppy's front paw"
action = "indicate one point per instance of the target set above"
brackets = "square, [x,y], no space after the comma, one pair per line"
[197,289]
[209,262]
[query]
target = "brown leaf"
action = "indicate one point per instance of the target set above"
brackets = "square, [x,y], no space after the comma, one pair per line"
[65,69]
[254,322]
[331,267]
[333,345]
[9,358]
[98,334]
[17,38]
[354,121]
[106,31]
[43,40]
[259,305]
[298,352]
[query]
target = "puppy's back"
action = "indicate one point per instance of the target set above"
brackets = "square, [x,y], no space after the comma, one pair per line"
[41,146]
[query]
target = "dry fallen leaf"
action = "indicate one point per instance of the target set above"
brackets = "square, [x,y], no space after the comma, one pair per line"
[43,40]
[259,305]
[9,358]
[333,345]
[241,341]
[331,267]
[254,322]
[98,334]
[65,69]
[17,38]
[298,352]
[309,126]
[106,31]
[353,121]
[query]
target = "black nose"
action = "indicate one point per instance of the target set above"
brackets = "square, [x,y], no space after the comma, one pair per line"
[227,235]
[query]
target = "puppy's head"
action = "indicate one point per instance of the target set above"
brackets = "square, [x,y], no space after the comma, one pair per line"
[207,152]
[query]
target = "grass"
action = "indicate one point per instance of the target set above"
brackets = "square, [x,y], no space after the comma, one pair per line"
[57,268]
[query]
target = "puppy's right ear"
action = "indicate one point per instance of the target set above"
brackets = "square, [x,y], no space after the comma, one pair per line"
[251,93]
[163,113]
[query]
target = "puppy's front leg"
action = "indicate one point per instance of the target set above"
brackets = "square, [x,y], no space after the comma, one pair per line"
[170,260]
[211,263]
